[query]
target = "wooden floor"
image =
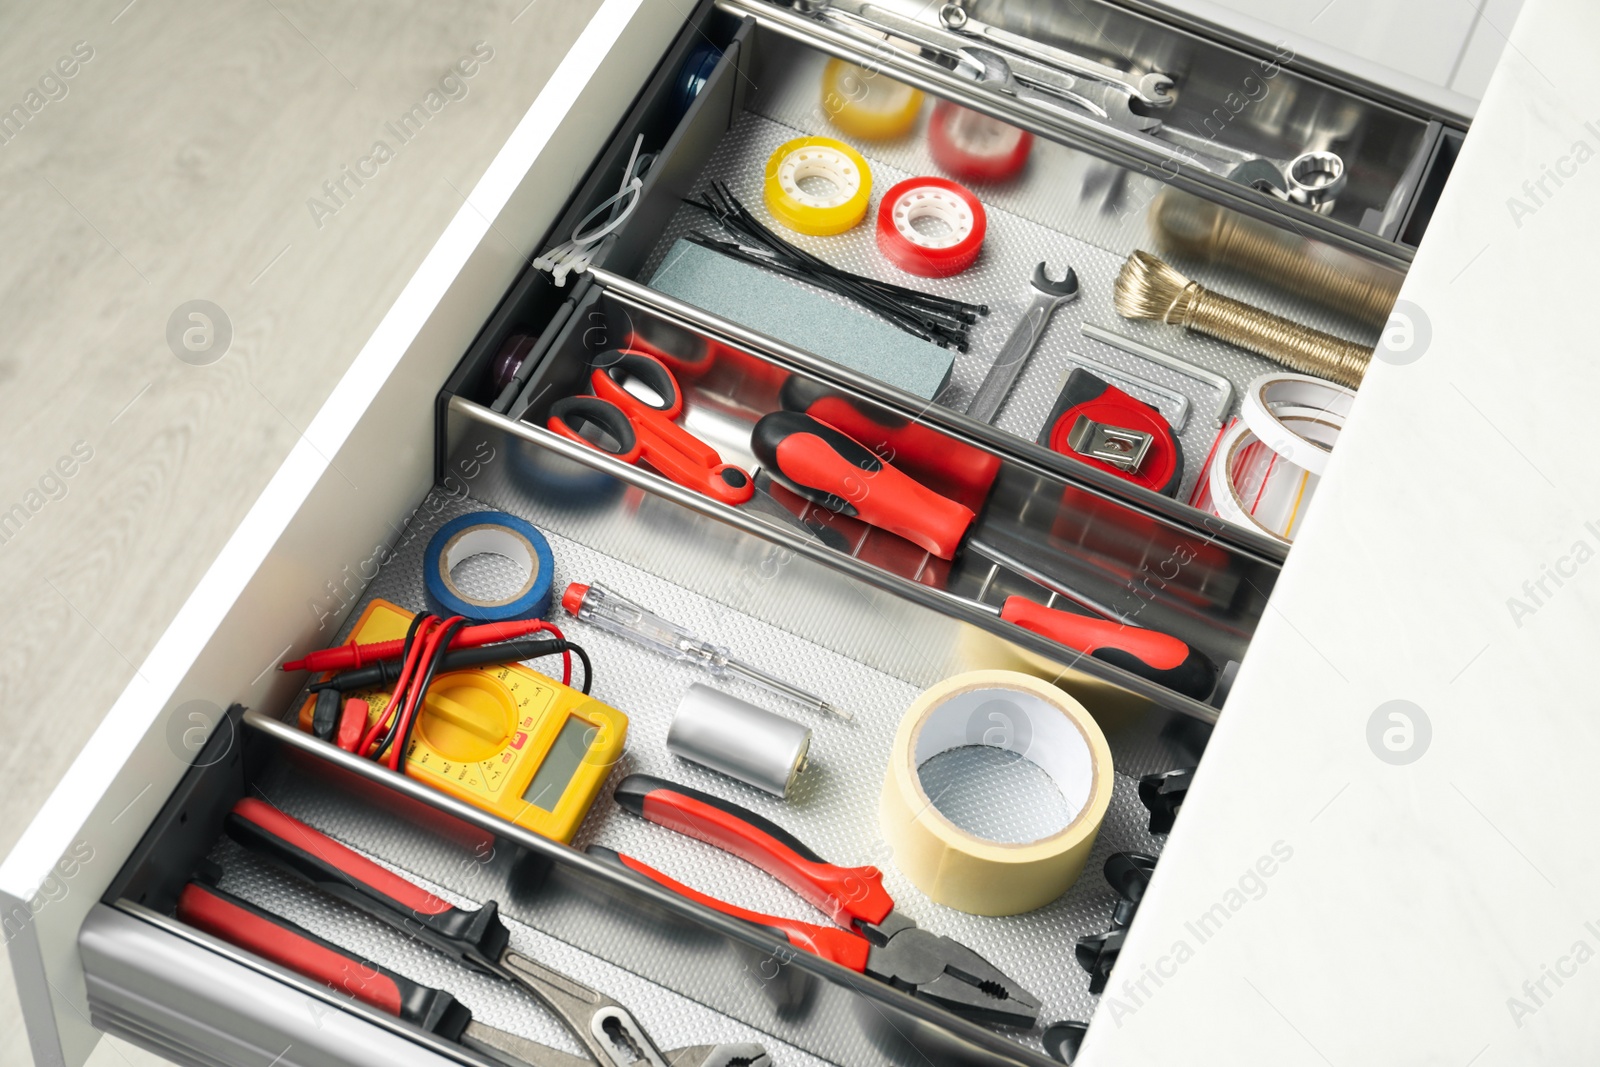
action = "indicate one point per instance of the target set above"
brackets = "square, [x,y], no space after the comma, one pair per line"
[185,159]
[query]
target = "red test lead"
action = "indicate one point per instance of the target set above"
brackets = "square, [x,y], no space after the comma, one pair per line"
[346,657]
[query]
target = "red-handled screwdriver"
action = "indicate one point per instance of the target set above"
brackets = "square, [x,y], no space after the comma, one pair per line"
[1148,653]
[816,461]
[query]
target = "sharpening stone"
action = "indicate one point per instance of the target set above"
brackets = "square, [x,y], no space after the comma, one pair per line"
[784,309]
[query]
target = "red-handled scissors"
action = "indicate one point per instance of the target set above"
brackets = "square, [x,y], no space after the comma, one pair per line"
[633,425]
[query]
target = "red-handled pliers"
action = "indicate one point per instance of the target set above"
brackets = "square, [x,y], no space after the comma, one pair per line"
[871,936]
[479,938]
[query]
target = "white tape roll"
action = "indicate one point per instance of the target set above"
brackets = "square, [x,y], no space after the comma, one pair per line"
[1284,487]
[1297,416]
[1021,714]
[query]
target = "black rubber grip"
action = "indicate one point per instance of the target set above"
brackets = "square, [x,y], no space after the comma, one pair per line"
[773,429]
[1195,677]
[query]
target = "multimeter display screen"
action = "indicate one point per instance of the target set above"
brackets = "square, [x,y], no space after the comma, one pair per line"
[560,764]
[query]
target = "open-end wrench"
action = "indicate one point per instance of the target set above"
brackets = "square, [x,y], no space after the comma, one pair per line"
[1047,296]
[1011,65]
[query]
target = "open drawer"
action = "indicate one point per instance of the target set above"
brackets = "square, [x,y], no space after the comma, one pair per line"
[89,892]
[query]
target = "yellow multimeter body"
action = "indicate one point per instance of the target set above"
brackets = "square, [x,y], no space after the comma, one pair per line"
[501,737]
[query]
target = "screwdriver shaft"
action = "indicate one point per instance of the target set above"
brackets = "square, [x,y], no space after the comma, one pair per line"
[783,688]
[1038,577]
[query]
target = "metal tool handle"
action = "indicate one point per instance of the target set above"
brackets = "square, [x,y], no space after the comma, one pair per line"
[1012,358]
[603,1026]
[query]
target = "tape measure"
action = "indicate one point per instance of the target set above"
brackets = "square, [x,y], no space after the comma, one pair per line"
[1086,398]
[503,738]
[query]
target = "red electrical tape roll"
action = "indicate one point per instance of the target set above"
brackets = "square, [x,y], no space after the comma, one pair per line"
[974,146]
[912,251]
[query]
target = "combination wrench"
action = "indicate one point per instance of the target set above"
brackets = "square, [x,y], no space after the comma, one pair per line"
[1047,296]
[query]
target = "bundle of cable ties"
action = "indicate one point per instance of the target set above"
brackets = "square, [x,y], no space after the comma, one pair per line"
[941,320]
[574,256]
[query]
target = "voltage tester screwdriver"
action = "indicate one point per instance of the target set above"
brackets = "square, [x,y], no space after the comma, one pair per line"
[599,606]
[836,472]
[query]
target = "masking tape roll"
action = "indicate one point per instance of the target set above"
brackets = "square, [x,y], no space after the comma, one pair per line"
[1021,714]
[820,214]
[867,104]
[494,533]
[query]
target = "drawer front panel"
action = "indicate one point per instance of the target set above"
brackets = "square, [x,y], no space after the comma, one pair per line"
[277,584]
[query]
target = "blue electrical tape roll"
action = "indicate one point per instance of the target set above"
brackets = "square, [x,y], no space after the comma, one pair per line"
[499,534]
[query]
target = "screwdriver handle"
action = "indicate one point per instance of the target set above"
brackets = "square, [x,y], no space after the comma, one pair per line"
[816,461]
[280,941]
[831,943]
[478,937]
[925,449]
[846,894]
[1150,654]
[597,605]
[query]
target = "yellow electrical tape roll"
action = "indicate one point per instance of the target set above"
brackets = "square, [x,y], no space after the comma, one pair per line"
[867,104]
[818,214]
[1022,714]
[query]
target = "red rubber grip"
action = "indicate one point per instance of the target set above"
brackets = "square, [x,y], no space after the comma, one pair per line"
[204,910]
[886,498]
[913,444]
[829,942]
[666,447]
[1161,651]
[351,864]
[844,893]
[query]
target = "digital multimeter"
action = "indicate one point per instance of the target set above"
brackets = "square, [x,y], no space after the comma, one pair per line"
[501,737]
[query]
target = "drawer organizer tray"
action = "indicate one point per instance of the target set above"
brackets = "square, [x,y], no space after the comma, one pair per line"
[1188,580]
[1067,207]
[653,951]
[859,617]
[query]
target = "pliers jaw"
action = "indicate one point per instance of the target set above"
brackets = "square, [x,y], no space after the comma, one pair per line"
[945,972]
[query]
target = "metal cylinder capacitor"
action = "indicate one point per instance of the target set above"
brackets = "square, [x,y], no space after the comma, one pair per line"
[736,738]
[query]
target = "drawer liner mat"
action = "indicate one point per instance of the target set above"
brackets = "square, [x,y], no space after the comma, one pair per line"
[833,807]
[672,1019]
